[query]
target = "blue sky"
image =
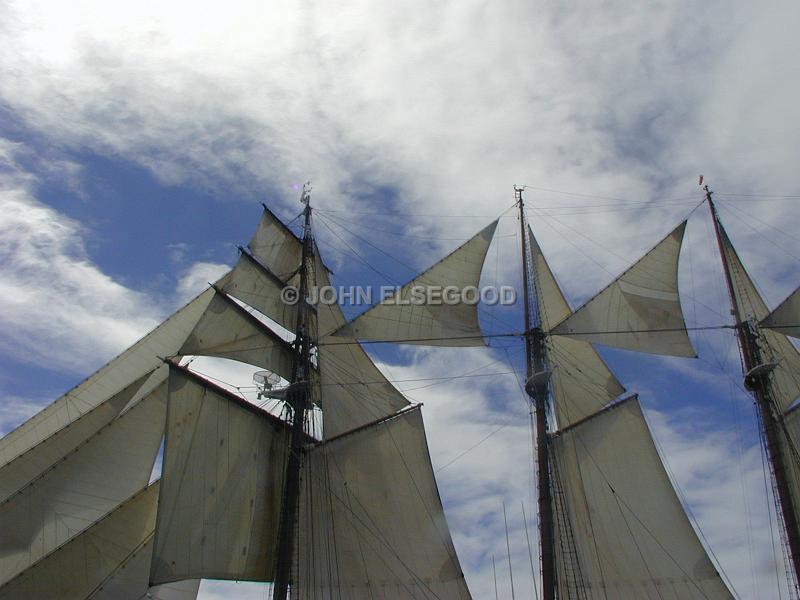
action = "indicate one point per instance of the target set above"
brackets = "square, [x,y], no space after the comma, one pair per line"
[136,144]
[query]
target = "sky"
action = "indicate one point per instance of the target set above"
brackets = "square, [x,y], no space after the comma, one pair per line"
[138,139]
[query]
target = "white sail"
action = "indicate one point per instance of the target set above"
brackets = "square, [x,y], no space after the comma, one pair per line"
[775,348]
[221,486]
[253,284]
[790,449]
[227,330]
[580,380]
[276,246]
[29,465]
[353,391]
[786,318]
[135,362]
[621,530]
[105,562]
[371,521]
[408,317]
[640,310]
[83,487]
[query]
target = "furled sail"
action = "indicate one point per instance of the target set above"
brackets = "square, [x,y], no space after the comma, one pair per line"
[276,246]
[408,318]
[786,318]
[84,486]
[640,310]
[621,529]
[105,562]
[221,486]
[227,330]
[580,380]
[371,521]
[775,348]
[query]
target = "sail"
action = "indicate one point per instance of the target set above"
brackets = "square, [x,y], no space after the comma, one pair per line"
[640,310]
[790,449]
[103,562]
[407,317]
[276,246]
[29,465]
[786,318]
[221,486]
[353,391]
[83,487]
[621,530]
[581,382]
[255,285]
[227,330]
[371,521]
[774,347]
[138,360]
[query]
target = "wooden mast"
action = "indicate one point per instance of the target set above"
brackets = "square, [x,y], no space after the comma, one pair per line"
[758,382]
[536,388]
[298,401]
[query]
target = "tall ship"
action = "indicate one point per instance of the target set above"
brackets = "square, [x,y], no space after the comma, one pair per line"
[325,488]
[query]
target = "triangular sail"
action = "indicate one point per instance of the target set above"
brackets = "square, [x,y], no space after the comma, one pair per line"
[29,465]
[102,563]
[135,362]
[786,318]
[83,487]
[353,391]
[580,380]
[790,450]
[621,530]
[640,310]
[221,486]
[371,521]
[408,318]
[775,348]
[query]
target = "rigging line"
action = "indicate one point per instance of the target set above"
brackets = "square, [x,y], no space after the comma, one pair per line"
[392,214]
[739,211]
[530,552]
[541,189]
[468,373]
[387,254]
[759,196]
[508,549]
[412,340]
[407,235]
[471,448]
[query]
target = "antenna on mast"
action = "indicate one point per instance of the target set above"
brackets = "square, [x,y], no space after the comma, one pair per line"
[305,195]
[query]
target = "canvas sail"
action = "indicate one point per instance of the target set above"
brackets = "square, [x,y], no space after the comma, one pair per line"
[774,347]
[221,486]
[407,318]
[276,246]
[621,530]
[580,380]
[371,521]
[83,487]
[352,390]
[102,563]
[786,318]
[640,310]
[227,330]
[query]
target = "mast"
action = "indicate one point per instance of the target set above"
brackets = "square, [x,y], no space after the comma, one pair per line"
[757,381]
[536,388]
[298,400]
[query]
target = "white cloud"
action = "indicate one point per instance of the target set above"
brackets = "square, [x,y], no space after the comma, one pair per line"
[56,307]
[196,278]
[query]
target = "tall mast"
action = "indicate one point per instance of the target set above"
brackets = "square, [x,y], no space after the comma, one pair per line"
[757,381]
[536,388]
[298,400]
